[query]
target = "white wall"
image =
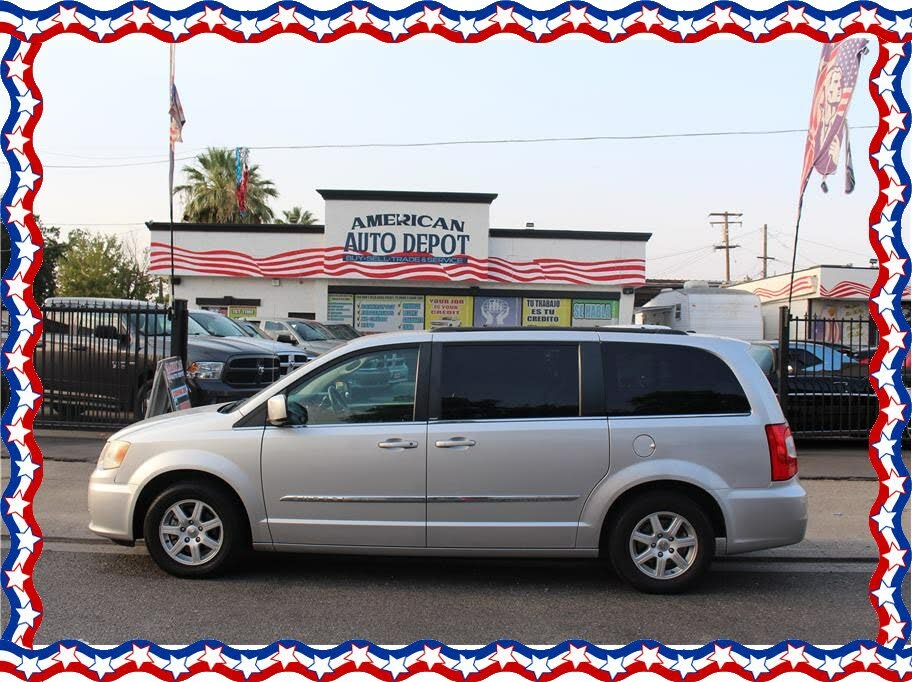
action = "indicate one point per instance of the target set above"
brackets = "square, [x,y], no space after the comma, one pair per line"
[291,295]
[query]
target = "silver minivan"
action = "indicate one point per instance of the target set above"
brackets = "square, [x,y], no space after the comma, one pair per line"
[656,449]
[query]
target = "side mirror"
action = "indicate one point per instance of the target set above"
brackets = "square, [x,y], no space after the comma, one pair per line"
[276,411]
[287,338]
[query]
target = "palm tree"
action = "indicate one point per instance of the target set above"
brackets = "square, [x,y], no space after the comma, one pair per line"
[210,193]
[298,216]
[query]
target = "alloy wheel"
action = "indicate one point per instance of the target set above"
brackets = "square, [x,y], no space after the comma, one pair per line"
[663,545]
[191,532]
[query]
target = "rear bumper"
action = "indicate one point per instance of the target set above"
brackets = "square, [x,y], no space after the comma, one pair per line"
[764,518]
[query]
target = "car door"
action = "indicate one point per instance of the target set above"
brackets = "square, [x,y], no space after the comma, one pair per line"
[349,469]
[512,452]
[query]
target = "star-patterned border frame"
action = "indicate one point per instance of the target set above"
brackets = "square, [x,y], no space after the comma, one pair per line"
[887,657]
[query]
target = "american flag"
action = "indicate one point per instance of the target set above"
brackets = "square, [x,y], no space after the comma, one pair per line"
[833,89]
[176,110]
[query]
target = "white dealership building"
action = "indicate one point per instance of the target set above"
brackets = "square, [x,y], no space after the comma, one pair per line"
[405,260]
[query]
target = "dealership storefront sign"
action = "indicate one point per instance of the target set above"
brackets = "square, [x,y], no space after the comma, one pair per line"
[406,238]
[409,234]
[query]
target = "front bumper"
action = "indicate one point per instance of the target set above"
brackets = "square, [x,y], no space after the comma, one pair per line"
[111,506]
[765,517]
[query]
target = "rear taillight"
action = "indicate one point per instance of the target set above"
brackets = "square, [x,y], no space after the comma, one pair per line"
[783,456]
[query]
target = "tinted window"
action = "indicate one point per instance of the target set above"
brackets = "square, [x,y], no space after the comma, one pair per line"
[514,381]
[369,388]
[272,326]
[654,379]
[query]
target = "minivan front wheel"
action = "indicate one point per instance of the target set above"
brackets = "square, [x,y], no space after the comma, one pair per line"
[662,542]
[192,530]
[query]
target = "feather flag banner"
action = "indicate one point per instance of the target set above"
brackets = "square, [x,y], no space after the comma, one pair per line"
[827,133]
[242,169]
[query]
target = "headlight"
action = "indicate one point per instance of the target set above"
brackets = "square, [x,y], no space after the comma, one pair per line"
[205,370]
[113,453]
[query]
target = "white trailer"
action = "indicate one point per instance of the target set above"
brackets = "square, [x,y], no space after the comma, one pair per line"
[706,310]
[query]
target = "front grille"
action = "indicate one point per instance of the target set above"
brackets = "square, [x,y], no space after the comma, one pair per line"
[291,362]
[252,371]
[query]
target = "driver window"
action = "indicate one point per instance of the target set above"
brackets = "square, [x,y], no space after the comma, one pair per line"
[372,387]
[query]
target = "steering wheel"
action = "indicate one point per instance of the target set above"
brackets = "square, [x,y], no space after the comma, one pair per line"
[297,413]
[338,404]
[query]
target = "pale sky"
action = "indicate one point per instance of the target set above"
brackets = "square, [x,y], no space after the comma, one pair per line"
[108,105]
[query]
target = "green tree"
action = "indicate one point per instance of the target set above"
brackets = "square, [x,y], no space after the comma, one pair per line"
[210,193]
[298,216]
[101,265]
[45,284]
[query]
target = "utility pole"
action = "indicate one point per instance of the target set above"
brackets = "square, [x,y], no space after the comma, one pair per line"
[764,257]
[727,219]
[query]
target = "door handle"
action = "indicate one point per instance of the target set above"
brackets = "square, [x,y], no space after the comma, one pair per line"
[458,442]
[397,444]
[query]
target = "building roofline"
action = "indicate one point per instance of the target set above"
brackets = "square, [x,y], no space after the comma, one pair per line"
[385,195]
[274,228]
[592,235]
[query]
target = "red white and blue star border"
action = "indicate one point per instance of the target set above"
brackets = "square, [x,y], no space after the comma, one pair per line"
[887,657]
[456,25]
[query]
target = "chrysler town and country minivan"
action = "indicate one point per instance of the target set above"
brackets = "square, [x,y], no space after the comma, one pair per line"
[656,450]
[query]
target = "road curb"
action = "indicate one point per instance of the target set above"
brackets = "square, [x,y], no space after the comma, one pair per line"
[78,435]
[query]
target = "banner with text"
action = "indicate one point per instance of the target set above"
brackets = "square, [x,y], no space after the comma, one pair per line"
[340,309]
[546,312]
[379,313]
[589,313]
[448,311]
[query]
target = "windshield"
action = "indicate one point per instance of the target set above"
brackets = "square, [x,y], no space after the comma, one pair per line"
[145,324]
[311,331]
[254,331]
[216,325]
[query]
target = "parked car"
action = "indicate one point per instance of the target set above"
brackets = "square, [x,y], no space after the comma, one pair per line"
[308,334]
[828,392]
[805,357]
[215,324]
[101,353]
[655,450]
[342,331]
[252,329]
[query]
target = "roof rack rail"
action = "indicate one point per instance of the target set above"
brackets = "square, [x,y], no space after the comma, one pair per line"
[607,329]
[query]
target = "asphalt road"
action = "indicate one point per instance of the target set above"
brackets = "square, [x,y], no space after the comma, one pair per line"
[101,593]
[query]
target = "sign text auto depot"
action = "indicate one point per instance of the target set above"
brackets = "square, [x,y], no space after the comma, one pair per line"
[406,238]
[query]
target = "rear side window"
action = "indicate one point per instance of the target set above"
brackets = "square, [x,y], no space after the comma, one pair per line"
[509,381]
[646,379]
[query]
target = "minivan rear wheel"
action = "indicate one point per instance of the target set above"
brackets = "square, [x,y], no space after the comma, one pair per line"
[193,530]
[662,542]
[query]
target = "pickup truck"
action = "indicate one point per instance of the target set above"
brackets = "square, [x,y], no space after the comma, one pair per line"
[101,354]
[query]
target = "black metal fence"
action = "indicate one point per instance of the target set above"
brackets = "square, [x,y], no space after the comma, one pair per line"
[97,359]
[825,391]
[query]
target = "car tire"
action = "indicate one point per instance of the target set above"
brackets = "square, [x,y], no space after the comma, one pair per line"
[214,534]
[669,564]
[142,398]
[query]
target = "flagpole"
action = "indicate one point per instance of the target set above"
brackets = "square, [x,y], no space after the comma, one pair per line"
[171,167]
[795,245]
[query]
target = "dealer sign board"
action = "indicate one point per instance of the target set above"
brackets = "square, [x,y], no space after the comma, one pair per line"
[395,236]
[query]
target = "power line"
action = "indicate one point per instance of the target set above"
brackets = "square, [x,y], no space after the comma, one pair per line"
[456,143]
